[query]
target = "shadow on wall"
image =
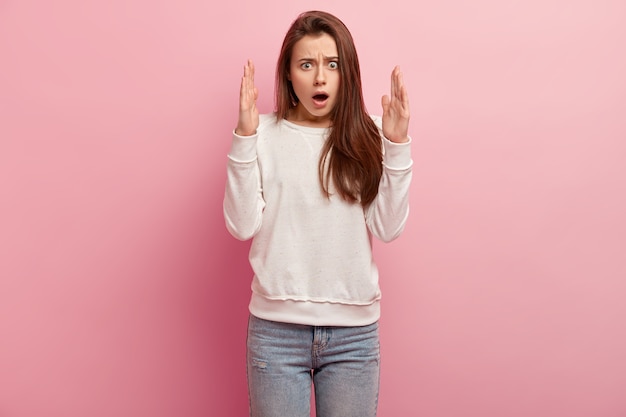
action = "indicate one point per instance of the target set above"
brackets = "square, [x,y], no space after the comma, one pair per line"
[226,295]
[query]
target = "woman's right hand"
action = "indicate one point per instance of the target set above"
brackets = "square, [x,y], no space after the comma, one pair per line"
[248,112]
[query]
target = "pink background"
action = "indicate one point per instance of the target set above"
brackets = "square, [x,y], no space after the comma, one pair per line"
[122,294]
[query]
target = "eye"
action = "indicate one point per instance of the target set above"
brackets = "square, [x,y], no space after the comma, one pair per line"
[333,64]
[306,65]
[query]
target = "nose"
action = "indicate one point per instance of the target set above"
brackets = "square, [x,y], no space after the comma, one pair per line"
[320,76]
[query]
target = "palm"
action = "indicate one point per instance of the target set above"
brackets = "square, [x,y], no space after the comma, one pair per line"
[248,94]
[396,111]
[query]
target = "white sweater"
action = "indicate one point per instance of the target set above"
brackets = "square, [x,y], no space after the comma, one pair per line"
[311,255]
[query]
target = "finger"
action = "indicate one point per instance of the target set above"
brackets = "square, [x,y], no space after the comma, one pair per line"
[243,88]
[401,92]
[246,84]
[404,95]
[251,72]
[385,103]
[253,90]
[244,81]
[247,71]
[393,82]
[399,84]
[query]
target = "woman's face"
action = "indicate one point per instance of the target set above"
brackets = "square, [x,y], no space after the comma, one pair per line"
[314,75]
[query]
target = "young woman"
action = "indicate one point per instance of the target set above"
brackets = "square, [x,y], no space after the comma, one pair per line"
[311,184]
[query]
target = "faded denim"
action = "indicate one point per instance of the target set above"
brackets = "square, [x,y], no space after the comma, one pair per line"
[283,359]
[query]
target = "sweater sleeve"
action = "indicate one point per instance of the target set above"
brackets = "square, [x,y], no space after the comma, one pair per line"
[243,197]
[386,216]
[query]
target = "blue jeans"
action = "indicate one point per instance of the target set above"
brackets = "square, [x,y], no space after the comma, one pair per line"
[343,363]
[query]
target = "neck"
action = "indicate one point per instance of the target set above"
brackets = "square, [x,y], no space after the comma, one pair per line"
[300,116]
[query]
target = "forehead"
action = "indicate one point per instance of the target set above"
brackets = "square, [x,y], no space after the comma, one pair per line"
[314,46]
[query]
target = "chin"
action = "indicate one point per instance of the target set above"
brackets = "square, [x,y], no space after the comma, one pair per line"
[321,112]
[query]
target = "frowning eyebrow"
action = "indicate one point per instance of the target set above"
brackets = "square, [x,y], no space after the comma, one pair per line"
[326,58]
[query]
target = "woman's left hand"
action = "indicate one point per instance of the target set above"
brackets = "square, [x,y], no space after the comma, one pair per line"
[396,110]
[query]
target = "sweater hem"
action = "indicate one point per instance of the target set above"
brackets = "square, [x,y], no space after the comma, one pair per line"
[314,313]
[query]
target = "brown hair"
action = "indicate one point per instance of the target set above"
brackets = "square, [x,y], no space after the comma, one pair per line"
[352,154]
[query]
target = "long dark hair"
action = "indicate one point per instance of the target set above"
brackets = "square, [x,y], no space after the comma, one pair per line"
[352,154]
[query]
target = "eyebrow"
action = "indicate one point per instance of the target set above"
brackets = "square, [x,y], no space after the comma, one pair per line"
[326,58]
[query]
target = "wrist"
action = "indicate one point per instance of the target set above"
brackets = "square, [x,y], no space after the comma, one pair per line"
[400,140]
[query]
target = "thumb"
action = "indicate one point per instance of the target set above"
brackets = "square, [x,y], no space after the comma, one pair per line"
[385,103]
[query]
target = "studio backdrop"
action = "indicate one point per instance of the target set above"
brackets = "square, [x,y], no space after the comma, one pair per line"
[122,294]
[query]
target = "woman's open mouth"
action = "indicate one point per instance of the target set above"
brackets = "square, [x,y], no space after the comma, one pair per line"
[320,99]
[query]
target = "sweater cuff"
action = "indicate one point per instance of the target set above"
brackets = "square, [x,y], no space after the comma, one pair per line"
[397,155]
[243,148]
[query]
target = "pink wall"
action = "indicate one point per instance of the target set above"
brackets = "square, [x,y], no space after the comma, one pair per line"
[121,293]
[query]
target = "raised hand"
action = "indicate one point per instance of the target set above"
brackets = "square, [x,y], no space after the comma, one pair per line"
[248,112]
[396,110]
